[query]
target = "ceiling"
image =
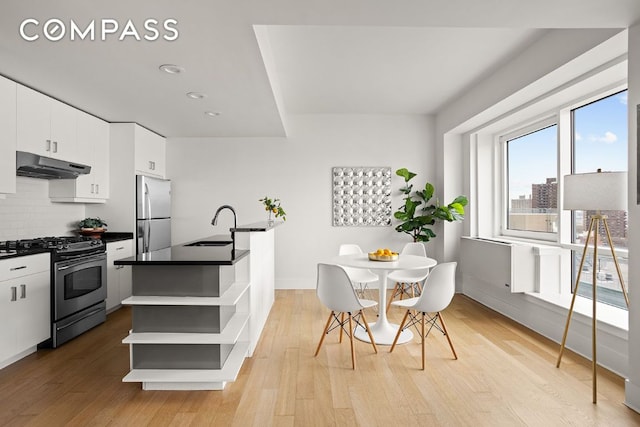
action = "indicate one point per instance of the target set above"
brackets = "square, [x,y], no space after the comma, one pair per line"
[259,62]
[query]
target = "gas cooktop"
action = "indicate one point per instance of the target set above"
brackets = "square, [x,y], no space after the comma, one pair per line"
[62,244]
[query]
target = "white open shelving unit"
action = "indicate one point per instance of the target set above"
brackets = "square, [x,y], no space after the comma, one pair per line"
[230,344]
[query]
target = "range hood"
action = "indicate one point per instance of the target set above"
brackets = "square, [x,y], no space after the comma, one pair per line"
[36,166]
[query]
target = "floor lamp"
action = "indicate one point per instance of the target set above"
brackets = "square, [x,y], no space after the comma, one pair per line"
[598,191]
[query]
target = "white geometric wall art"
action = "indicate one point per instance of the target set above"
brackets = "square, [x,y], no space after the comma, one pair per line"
[361,196]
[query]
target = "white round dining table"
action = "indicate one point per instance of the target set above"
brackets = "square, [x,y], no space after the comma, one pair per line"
[382,330]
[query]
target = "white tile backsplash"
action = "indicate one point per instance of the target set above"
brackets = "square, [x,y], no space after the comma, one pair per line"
[29,213]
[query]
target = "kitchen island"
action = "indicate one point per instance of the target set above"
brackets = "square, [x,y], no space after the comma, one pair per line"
[198,309]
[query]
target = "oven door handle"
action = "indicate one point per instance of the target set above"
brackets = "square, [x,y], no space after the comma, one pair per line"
[77,262]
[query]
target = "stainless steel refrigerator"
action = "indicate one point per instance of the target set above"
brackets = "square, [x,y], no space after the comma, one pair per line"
[153,213]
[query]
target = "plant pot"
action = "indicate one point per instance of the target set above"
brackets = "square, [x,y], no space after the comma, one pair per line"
[94,233]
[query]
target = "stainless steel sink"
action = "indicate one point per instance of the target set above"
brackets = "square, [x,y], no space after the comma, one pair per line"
[210,243]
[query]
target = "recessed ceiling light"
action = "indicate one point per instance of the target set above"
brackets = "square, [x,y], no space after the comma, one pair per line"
[212,113]
[196,95]
[171,69]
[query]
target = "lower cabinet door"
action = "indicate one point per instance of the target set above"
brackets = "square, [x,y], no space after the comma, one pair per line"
[7,319]
[118,276]
[34,310]
[25,313]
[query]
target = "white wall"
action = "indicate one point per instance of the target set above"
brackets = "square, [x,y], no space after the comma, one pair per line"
[29,213]
[551,63]
[209,172]
[633,383]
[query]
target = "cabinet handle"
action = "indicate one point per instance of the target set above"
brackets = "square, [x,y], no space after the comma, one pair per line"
[150,165]
[48,147]
[120,248]
[23,291]
[118,267]
[55,146]
[14,293]
[92,188]
[97,188]
[22,267]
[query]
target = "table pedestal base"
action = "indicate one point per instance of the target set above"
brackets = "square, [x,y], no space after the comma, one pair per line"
[383,333]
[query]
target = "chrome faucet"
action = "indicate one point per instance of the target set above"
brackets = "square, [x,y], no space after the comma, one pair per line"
[214,221]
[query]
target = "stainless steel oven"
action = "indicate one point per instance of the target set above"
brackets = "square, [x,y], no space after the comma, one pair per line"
[78,282]
[79,293]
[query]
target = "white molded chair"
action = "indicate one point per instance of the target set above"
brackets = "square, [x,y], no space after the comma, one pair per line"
[334,290]
[408,282]
[358,276]
[437,294]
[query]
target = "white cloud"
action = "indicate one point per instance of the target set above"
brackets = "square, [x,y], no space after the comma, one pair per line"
[608,138]
[578,137]
[623,98]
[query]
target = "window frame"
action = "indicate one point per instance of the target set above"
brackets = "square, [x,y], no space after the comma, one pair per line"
[603,247]
[503,140]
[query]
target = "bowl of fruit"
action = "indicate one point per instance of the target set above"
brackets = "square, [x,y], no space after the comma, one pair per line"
[383,255]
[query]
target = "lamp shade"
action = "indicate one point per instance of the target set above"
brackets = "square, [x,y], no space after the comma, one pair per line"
[605,191]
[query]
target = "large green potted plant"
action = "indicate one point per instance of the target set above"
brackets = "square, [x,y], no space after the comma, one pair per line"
[418,214]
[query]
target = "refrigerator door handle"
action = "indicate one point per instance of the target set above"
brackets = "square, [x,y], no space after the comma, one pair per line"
[147,196]
[147,233]
[146,237]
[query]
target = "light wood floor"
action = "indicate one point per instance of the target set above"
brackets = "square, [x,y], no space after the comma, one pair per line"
[505,376]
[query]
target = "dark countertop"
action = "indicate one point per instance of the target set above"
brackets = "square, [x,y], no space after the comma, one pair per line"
[256,226]
[15,254]
[188,255]
[113,236]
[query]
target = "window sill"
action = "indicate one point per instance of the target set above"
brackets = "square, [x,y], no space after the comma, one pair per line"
[613,317]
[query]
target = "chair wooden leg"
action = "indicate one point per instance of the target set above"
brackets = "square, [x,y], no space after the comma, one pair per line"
[353,353]
[324,333]
[395,340]
[393,295]
[446,334]
[422,334]
[341,327]
[366,325]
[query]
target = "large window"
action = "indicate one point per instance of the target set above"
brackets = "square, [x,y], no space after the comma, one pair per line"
[580,139]
[532,165]
[600,142]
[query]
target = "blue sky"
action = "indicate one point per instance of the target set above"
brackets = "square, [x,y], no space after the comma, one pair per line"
[601,136]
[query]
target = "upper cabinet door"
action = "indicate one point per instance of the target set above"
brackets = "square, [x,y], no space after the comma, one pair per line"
[46,126]
[63,132]
[149,153]
[34,122]
[7,136]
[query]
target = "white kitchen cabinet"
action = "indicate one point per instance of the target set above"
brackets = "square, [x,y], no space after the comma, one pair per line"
[119,277]
[149,153]
[46,126]
[25,305]
[93,136]
[7,136]
[124,139]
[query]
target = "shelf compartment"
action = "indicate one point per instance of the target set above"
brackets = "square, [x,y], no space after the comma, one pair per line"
[180,280]
[231,297]
[192,379]
[229,335]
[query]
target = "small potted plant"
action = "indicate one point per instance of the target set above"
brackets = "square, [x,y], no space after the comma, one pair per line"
[272,206]
[93,227]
